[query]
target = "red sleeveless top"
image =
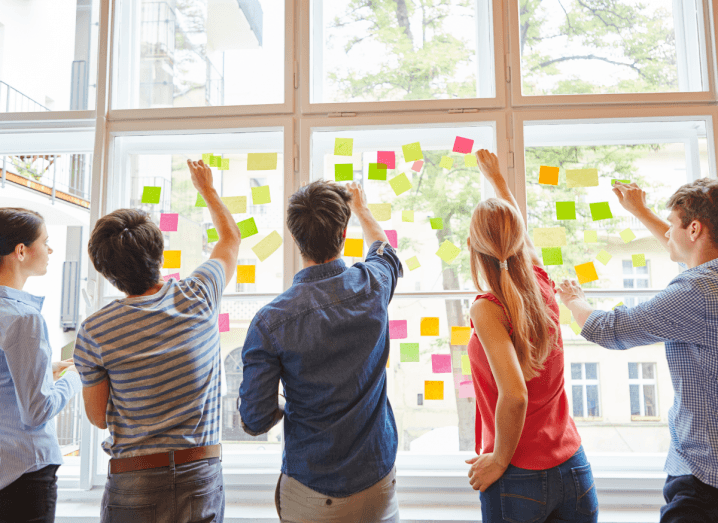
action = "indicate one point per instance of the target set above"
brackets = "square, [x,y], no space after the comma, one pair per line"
[549,436]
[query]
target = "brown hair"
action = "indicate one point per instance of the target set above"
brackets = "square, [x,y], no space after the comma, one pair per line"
[126,248]
[497,234]
[317,215]
[18,226]
[698,200]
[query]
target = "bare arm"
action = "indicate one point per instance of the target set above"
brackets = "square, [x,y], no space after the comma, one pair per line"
[96,398]
[633,199]
[573,297]
[370,227]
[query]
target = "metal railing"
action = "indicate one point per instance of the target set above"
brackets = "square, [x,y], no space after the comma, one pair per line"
[68,173]
[13,101]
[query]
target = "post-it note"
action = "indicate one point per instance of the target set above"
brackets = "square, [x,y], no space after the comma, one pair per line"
[261,161]
[168,277]
[206,157]
[462,145]
[565,210]
[466,389]
[639,260]
[260,195]
[354,247]
[416,166]
[412,152]
[447,162]
[393,238]
[413,263]
[465,365]
[552,255]
[433,390]
[436,223]
[224,164]
[397,329]
[548,175]
[549,237]
[212,235]
[600,211]
[429,326]
[564,314]
[586,273]
[619,304]
[470,160]
[377,171]
[380,211]
[604,257]
[582,178]
[627,235]
[441,363]
[576,328]
[400,184]
[614,180]
[266,247]
[407,216]
[460,335]
[169,222]
[343,146]
[409,352]
[343,172]
[235,204]
[590,236]
[224,322]
[388,158]
[151,194]
[172,259]
[215,161]
[246,273]
[200,201]
[448,251]
[247,228]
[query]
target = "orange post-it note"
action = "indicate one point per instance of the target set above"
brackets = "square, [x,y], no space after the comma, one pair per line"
[586,273]
[173,259]
[433,390]
[354,247]
[460,335]
[430,326]
[548,175]
[245,273]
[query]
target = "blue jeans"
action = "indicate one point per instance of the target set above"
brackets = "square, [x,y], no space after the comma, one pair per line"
[689,500]
[189,493]
[31,498]
[561,494]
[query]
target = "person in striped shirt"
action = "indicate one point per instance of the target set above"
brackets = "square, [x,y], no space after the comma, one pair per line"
[150,368]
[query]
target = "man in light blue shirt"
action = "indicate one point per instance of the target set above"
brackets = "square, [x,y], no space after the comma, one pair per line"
[685,317]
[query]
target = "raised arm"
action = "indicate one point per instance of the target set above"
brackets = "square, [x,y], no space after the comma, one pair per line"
[633,199]
[372,230]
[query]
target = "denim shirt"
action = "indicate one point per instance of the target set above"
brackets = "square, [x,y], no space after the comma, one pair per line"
[327,340]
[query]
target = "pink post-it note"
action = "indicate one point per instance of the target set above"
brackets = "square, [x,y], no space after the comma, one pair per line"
[393,238]
[388,158]
[224,322]
[459,378]
[397,329]
[417,165]
[168,222]
[463,145]
[441,363]
[174,275]
[466,389]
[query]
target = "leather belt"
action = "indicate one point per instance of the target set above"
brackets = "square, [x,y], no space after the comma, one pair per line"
[162,459]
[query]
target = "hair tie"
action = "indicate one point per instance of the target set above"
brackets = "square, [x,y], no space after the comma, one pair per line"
[504,265]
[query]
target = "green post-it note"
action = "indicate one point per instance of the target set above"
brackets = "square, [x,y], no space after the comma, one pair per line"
[639,260]
[600,211]
[550,237]
[447,162]
[436,223]
[412,152]
[400,184]
[582,177]
[470,160]
[343,146]
[235,204]
[215,161]
[465,365]
[448,251]
[224,164]
[260,195]
[265,248]
[212,235]
[576,328]
[261,161]
[590,236]
[409,352]
[614,180]
[151,194]
[407,216]
[206,157]
[627,235]
[413,263]
[565,210]
[552,256]
[604,257]
[377,171]
[343,172]
[380,211]
[200,201]
[247,228]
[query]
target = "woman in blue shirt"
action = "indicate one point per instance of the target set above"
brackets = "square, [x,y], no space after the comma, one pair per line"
[31,390]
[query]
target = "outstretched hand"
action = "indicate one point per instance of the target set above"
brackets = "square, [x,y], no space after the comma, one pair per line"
[358,201]
[631,197]
[488,163]
[201,176]
[569,290]
[59,366]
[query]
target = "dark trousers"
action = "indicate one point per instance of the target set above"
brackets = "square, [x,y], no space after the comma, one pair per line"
[31,498]
[689,500]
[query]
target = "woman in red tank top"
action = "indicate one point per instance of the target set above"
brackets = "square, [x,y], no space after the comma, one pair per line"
[531,466]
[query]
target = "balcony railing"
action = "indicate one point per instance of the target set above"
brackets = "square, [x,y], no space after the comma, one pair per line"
[65,176]
[13,101]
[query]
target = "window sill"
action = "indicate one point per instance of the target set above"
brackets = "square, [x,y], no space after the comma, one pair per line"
[646,418]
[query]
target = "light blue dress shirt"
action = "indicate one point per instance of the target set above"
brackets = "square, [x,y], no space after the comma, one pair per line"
[29,398]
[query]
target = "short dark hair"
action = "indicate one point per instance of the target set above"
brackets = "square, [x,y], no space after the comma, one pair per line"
[698,200]
[317,215]
[126,248]
[18,226]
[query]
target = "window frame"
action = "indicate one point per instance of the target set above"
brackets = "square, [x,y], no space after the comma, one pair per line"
[640,382]
[584,382]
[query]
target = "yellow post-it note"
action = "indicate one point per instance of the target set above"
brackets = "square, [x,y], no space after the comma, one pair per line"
[465,365]
[206,157]
[380,211]
[260,195]
[548,175]
[343,146]
[413,263]
[447,162]
[586,273]
[267,246]
[261,161]
[173,259]
[639,260]
[582,177]
[407,216]
[576,328]
[412,152]
[246,273]
[460,335]
[617,305]
[550,237]
[400,184]
[224,164]
[388,359]
[430,326]
[627,235]
[235,204]
[564,314]
[433,390]
[590,236]
[604,257]
[448,251]
[354,247]
[470,160]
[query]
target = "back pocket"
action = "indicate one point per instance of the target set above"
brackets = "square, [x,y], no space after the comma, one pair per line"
[586,498]
[207,506]
[523,496]
[123,514]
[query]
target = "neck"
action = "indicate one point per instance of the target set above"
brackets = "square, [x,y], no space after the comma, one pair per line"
[11,278]
[157,287]
[309,263]
[702,256]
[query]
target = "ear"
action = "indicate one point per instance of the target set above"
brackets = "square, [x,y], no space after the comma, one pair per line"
[696,229]
[20,251]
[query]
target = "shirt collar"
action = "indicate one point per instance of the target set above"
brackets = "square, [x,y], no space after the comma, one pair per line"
[320,272]
[23,297]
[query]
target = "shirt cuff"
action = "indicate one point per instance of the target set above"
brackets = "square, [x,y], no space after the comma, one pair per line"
[589,327]
[278,415]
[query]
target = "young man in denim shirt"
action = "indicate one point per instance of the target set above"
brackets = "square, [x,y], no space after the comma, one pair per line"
[327,340]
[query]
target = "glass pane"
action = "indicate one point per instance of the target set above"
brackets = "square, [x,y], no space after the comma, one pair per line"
[48,55]
[642,283]
[649,370]
[627,266]
[591,371]
[592,401]
[577,401]
[633,371]
[642,270]
[576,371]
[635,400]
[408,50]
[628,283]
[621,46]
[649,397]
[194,53]
[436,192]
